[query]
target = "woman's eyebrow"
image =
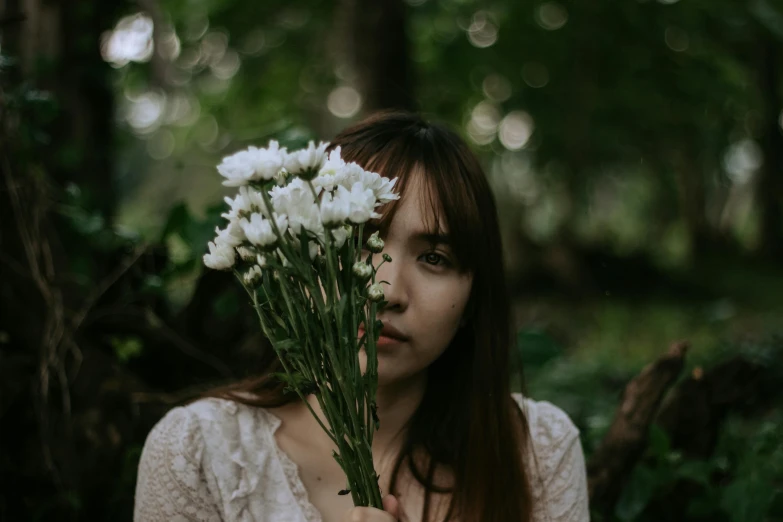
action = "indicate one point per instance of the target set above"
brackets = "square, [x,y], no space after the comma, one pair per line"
[433,238]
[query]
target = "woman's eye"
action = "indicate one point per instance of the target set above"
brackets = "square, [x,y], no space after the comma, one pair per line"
[435,259]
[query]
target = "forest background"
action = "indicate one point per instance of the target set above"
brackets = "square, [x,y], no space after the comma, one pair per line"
[636,152]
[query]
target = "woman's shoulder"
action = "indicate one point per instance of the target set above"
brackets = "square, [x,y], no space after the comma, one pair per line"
[211,422]
[550,427]
[212,452]
[557,463]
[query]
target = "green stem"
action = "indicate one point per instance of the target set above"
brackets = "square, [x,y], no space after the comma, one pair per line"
[267,331]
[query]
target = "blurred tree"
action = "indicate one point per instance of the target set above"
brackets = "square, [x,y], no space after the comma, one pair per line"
[623,138]
[375,40]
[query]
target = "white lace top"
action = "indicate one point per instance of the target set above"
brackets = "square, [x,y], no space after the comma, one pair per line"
[216,460]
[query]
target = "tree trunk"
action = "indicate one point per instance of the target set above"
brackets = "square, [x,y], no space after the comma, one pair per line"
[769,188]
[692,199]
[619,451]
[378,52]
[55,141]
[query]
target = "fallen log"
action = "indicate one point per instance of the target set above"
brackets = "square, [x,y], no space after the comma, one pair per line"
[625,441]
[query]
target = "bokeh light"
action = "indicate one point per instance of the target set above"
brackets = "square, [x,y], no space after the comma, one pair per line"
[496,87]
[214,46]
[161,144]
[144,112]
[551,16]
[344,102]
[742,160]
[483,124]
[129,41]
[169,46]
[207,130]
[482,31]
[515,130]
[182,110]
[535,74]
[254,42]
[676,39]
[227,66]
[196,27]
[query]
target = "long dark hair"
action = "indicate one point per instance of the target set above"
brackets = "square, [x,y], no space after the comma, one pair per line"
[467,421]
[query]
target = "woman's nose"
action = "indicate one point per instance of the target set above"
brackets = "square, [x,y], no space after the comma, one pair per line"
[395,292]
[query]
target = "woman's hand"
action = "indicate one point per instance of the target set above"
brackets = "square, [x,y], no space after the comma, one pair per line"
[390,513]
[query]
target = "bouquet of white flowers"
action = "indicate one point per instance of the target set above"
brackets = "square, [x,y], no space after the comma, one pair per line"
[290,241]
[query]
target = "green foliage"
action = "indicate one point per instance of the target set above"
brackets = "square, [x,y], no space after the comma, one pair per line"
[126,348]
[741,481]
[631,102]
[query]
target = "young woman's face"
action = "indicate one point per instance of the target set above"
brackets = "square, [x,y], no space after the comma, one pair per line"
[426,293]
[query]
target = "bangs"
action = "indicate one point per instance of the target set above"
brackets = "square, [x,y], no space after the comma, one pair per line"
[448,174]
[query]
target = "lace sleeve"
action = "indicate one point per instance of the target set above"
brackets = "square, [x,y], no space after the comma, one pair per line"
[564,478]
[171,484]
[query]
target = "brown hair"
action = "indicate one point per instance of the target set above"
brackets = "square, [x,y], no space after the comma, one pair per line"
[467,420]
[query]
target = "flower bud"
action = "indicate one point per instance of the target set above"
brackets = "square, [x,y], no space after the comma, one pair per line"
[375,293]
[387,258]
[248,255]
[362,271]
[253,276]
[375,244]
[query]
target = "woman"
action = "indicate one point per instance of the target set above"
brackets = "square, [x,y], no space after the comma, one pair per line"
[454,443]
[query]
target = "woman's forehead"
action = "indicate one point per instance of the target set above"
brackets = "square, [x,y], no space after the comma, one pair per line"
[418,209]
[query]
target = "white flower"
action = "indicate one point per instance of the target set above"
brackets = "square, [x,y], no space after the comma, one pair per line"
[259,230]
[252,276]
[297,201]
[308,218]
[261,260]
[232,235]
[247,201]
[335,208]
[220,257]
[292,197]
[336,172]
[381,187]
[332,171]
[333,163]
[310,159]
[362,204]
[340,235]
[313,247]
[252,164]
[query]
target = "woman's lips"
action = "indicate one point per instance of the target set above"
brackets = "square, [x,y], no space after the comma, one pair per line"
[387,341]
[383,340]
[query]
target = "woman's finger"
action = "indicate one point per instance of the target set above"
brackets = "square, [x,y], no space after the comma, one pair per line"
[392,506]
